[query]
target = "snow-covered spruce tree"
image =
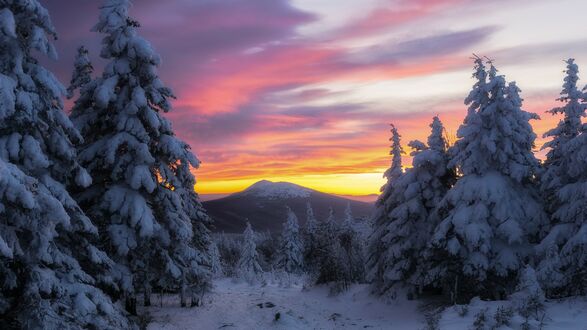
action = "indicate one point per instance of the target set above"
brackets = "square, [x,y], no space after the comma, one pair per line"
[48,266]
[556,163]
[564,183]
[230,253]
[330,259]
[248,267]
[352,246]
[493,213]
[291,251]
[310,239]
[411,222]
[215,262]
[142,196]
[376,248]
[82,71]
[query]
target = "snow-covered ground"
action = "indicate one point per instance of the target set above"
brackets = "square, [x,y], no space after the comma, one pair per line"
[238,306]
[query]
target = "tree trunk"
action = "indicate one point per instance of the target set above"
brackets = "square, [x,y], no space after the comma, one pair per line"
[130,304]
[195,299]
[182,296]
[455,290]
[147,296]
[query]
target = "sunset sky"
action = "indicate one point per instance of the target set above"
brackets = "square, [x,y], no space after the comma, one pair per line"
[304,90]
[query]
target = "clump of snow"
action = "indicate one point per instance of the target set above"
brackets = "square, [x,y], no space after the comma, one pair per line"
[277,190]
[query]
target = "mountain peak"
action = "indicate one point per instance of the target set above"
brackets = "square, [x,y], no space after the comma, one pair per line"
[277,190]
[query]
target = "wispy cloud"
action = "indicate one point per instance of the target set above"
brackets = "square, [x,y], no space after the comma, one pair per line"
[258,99]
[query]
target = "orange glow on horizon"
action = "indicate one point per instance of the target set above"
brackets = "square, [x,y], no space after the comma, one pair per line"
[352,167]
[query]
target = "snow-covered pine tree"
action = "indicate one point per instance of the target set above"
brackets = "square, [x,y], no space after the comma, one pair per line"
[348,220]
[215,262]
[48,266]
[411,221]
[352,246]
[310,239]
[493,214]
[230,253]
[291,251]
[563,185]
[376,248]
[328,229]
[556,172]
[82,71]
[142,196]
[569,232]
[248,267]
[330,258]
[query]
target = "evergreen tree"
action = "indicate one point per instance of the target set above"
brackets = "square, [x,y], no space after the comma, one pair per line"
[556,163]
[215,262]
[248,265]
[291,257]
[310,236]
[377,245]
[330,258]
[493,213]
[328,229]
[49,269]
[411,222]
[348,220]
[563,183]
[352,246]
[142,196]
[82,71]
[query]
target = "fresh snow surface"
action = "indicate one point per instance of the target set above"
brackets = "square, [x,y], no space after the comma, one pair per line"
[277,190]
[566,314]
[235,306]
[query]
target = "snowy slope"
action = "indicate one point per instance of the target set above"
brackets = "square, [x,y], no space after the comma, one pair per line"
[236,306]
[264,205]
[276,190]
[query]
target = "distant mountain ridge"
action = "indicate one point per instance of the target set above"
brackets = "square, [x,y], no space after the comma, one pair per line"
[264,205]
[276,190]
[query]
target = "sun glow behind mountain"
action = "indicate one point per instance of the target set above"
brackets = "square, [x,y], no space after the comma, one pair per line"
[303,90]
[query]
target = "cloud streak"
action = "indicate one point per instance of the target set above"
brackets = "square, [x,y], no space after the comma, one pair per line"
[258,99]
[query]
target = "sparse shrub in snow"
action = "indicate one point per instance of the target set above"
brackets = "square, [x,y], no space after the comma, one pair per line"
[529,298]
[503,316]
[142,197]
[248,267]
[50,268]
[291,250]
[432,320]
[493,214]
[481,320]
[462,310]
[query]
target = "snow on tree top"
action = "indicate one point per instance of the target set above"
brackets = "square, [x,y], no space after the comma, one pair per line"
[277,190]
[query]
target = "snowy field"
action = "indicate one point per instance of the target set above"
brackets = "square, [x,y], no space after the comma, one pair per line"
[237,306]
